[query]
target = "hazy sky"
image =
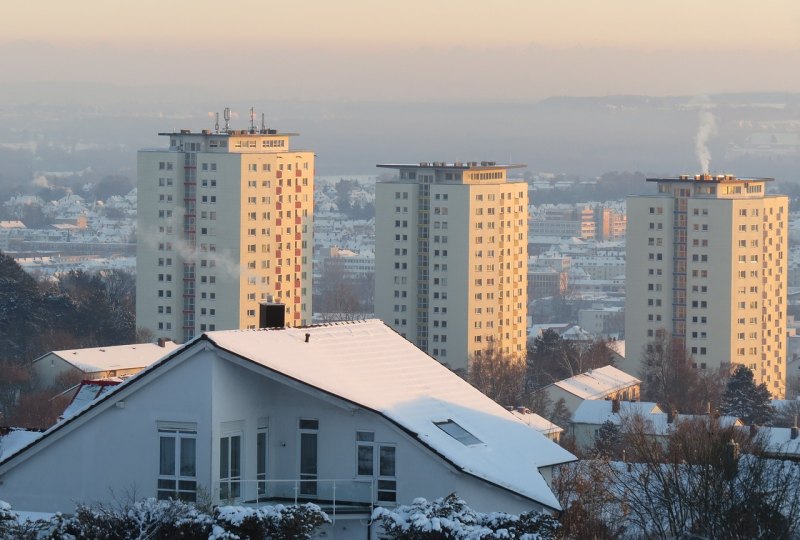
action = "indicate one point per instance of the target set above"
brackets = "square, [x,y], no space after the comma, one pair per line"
[415,49]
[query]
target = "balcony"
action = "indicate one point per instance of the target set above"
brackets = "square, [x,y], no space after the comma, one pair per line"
[347,497]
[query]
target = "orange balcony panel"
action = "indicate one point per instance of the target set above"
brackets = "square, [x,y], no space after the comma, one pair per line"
[277,238]
[297,315]
[297,268]
[297,220]
[277,285]
[278,206]
[278,253]
[279,174]
[297,252]
[298,188]
[298,204]
[298,236]
[298,173]
[297,284]
[297,301]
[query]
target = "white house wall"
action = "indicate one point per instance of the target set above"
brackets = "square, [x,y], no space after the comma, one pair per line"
[116,452]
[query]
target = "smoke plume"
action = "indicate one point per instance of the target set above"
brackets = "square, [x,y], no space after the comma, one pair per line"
[707,128]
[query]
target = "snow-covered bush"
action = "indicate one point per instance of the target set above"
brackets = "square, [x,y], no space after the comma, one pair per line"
[273,522]
[167,520]
[450,518]
[148,518]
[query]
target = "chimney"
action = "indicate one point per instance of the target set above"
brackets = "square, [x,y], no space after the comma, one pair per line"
[615,406]
[753,430]
[308,337]
[272,315]
[162,342]
[671,414]
[794,431]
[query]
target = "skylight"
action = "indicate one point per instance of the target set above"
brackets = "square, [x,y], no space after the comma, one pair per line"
[458,433]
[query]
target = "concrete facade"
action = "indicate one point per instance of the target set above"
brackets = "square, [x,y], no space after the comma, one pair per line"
[707,265]
[225,220]
[450,258]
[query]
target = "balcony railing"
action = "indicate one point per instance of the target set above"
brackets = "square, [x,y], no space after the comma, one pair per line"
[342,497]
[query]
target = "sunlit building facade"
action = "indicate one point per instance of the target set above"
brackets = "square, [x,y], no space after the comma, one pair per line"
[707,265]
[451,258]
[225,221]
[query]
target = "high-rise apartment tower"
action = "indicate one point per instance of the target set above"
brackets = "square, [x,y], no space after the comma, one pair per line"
[225,221]
[707,266]
[451,258]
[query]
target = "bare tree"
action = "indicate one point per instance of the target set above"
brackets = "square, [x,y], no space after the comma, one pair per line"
[499,376]
[669,378]
[707,480]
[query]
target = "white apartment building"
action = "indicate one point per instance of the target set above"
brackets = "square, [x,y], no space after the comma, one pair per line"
[707,264]
[225,220]
[451,258]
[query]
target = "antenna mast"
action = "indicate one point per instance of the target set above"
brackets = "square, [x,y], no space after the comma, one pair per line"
[252,120]
[227,115]
[216,124]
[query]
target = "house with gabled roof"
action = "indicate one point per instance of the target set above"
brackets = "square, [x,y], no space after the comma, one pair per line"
[99,362]
[348,415]
[606,382]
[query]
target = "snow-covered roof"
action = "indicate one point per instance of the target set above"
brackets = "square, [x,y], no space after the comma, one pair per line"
[369,364]
[779,441]
[15,440]
[597,383]
[537,422]
[598,411]
[87,393]
[95,359]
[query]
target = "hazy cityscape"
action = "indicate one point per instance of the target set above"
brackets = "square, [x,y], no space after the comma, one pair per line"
[400,271]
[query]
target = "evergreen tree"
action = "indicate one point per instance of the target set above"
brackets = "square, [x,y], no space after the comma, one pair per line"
[746,400]
[608,440]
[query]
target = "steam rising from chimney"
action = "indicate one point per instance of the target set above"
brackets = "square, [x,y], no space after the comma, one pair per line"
[707,128]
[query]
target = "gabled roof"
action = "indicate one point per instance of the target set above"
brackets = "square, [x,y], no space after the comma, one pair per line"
[598,411]
[95,359]
[368,364]
[597,383]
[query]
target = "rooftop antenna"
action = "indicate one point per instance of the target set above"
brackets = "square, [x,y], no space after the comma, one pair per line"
[216,124]
[263,123]
[252,119]
[227,115]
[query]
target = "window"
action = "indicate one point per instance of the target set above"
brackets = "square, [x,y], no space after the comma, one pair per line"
[308,456]
[177,475]
[458,433]
[365,453]
[387,480]
[230,467]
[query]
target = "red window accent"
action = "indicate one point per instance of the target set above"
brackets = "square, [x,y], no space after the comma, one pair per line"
[298,204]
[277,221]
[297,252]
[277,238]
[298,188]
[278,253]
[277,285]
[297,300]
[297,236]
[298,220]
[277,206]
[297,268]
[279,174]
[298,173]
[277,271]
